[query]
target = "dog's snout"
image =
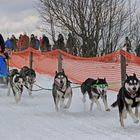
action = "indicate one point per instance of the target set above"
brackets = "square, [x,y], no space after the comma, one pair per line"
[61,82]
[134,88]
[103,92]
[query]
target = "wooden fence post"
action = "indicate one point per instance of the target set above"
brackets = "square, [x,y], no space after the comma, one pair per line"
[30,59]
[123,68]
[59,61]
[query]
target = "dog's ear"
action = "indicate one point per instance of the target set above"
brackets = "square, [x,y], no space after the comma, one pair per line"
[55,72]
[104,78]
[126,76]
[63,71]
[16,79]
[97,80]
[134,74]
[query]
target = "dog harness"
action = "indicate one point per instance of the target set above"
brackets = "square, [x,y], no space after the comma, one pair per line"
[134,99]
[17,87]
[60,87]
[95,91]
[100,85]
[131,93]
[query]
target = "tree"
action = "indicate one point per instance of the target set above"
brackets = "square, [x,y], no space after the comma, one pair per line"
[99,24]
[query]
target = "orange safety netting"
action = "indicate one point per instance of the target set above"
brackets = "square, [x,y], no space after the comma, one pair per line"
[76,68]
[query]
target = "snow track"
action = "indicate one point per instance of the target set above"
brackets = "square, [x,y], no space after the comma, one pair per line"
[35,118]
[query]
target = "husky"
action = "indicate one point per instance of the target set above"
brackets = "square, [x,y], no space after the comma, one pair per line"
[29,77]
[127,98]
[62,91]
[95,89]
[16,83]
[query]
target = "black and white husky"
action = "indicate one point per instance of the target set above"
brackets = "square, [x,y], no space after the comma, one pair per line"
[16,83]
[29,77]
[128,97]
[62,91]
[95,89]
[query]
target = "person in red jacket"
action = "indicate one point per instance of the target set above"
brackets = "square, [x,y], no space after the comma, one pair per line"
[19,43]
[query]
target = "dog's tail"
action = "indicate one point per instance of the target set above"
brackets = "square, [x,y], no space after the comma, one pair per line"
[114,104]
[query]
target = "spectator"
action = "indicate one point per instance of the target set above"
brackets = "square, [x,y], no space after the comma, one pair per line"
[13,43]
[32,41]
[2,44]
[137,50]
[40,42]
[19,42]
[45,43]
[37,43]
[25,41]
[127,44]
[60,43]
[8,43]
[71,44]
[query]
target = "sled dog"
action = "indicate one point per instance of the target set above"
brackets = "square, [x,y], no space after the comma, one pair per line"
[16,83]
[128,97]
[95,89]
[62,91]
[29,77]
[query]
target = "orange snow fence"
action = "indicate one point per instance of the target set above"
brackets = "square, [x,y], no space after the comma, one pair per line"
[77,68]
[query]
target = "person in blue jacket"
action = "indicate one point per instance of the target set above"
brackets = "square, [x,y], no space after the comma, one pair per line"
[3,56]
[8,43]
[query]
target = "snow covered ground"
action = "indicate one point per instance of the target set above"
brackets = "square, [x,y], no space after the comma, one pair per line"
[35,118]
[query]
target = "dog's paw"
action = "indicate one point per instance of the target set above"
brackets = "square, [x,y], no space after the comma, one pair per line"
[65,107]
[8,94]
[108,109]
[84,100]
[136,121]
[125,116]
[56,108]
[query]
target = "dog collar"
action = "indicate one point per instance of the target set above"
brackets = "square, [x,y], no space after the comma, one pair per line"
[59,87]
[56,83]
[131,94]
